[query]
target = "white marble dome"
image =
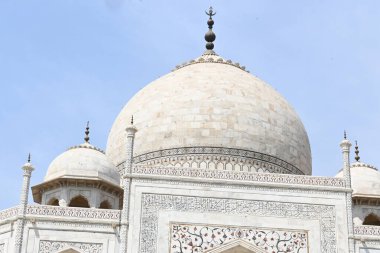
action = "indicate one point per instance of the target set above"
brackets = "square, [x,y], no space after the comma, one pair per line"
[83,162]
[211,102]
[365,180]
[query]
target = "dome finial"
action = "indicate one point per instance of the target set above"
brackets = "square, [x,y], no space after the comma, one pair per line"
[87,132]
[345,135]
[29,158]
[210,35]
[357,157]
[132,120]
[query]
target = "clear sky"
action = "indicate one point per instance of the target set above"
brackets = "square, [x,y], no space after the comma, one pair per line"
[65,62]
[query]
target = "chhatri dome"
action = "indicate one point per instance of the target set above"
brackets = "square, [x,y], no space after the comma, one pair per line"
[212,113]
[84,161]
[365,178]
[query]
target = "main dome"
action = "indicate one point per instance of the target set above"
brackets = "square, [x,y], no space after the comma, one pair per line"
[212,106]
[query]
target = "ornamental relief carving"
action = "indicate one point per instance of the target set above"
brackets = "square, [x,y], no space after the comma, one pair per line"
[56,246]
[189,238]
[152,204]
[239,176]
[2,248]
[75,212]
[217,158]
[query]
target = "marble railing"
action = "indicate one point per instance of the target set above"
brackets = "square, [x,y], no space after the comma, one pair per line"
[240,176]
[367,230]
[67,212]
[8,213]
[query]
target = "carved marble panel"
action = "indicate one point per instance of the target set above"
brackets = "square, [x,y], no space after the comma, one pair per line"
[2,248]
[152,204]
[189,238]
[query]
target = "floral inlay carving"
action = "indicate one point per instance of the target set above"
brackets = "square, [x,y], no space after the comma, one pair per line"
[187,238]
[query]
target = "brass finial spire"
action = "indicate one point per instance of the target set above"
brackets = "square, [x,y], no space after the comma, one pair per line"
[87,132]
[132,120]
[210,35]
[357,157]
[29,158]
[345,135]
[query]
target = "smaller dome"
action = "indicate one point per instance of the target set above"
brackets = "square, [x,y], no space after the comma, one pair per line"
[365,180]
[83,162]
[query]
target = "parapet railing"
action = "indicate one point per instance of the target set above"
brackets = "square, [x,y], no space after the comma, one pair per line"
[67,212]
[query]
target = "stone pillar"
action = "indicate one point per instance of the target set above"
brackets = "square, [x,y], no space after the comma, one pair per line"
[346,145]
[27,168]
[126,183]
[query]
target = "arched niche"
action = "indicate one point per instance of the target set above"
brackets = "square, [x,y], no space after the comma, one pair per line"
[53,202]
[79,201]
[372,219]
[105,204]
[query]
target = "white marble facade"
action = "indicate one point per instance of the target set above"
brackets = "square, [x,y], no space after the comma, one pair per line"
[221,164]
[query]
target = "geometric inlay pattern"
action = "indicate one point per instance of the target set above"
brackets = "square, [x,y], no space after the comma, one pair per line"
[187,238]
[152,204]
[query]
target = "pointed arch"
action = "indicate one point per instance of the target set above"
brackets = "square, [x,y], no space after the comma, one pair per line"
[237,246]
[105,204]
[372,219]
[70,250]
[79,201]
[53,202]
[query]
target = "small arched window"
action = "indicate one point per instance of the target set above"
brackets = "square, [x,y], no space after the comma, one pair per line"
[372,219]
[53,202]
[79,201]
[105,205]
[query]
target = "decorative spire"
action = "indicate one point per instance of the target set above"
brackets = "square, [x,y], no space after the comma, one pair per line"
[357,157]
[210,35]
[345,135]
[132,120]
[29,158]
[87,132]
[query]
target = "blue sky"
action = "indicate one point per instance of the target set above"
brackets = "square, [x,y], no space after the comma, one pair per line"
[65,62]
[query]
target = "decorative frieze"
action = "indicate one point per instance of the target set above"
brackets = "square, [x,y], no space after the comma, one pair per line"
[240,176]
[152,204]
[189,238]
[56,246]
